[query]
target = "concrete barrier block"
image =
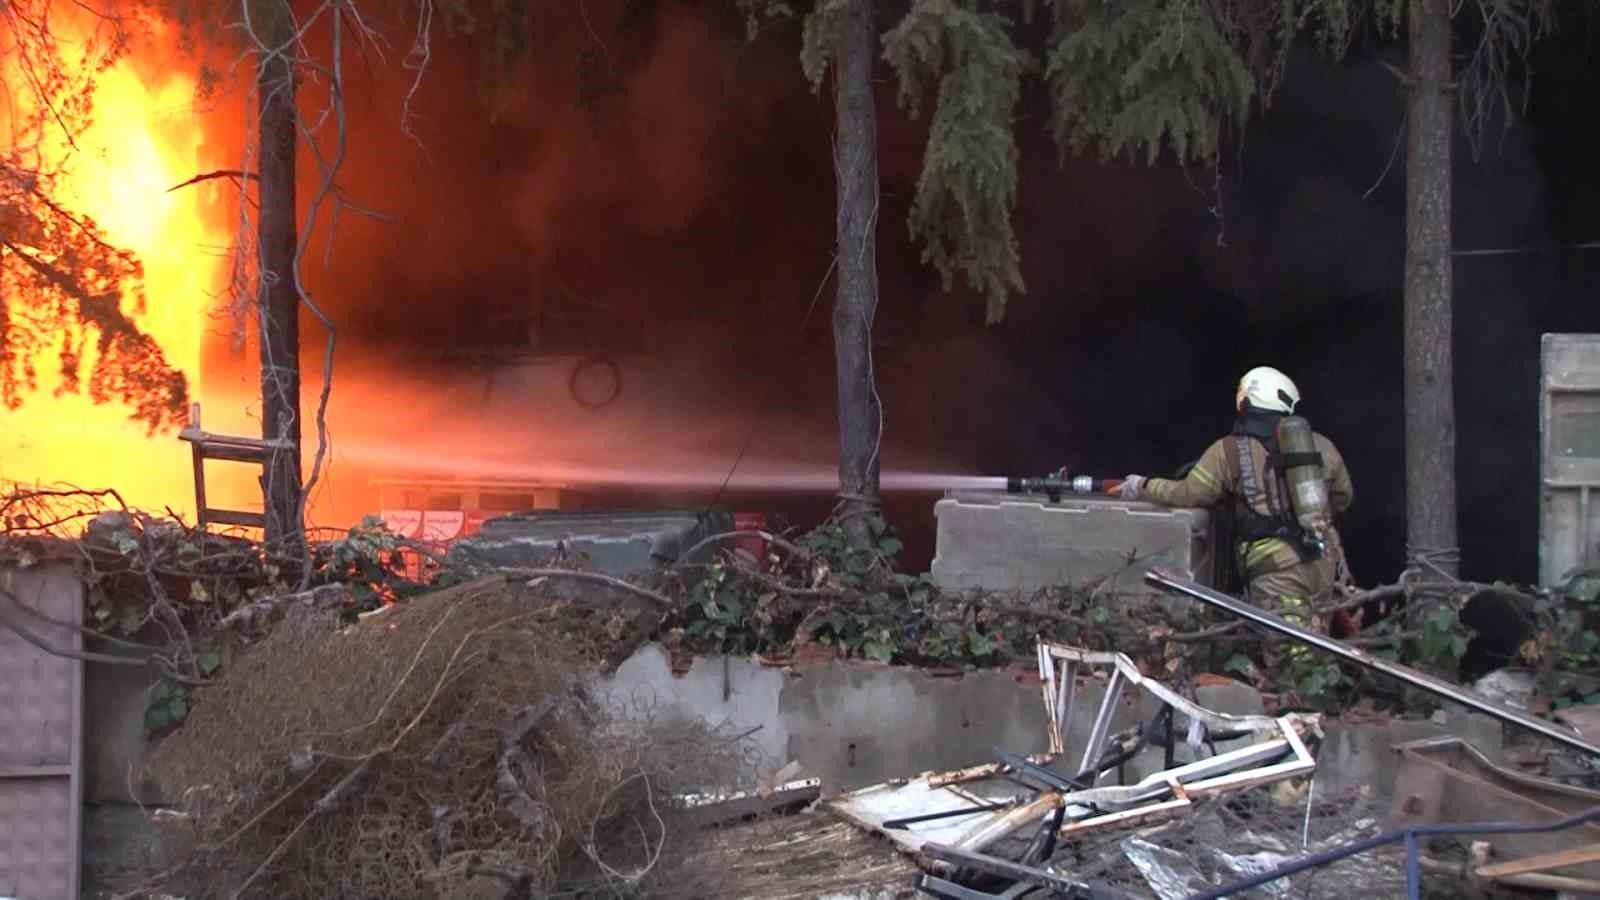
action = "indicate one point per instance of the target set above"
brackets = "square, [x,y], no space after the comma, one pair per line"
[617,544]
[1002,542]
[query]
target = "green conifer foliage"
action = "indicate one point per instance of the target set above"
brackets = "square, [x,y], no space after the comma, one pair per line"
[968,186]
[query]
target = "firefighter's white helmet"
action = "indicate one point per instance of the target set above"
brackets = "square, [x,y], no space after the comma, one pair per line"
[1268,389]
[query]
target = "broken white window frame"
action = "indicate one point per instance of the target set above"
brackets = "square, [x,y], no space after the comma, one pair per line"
[1160,794]
[1059,666]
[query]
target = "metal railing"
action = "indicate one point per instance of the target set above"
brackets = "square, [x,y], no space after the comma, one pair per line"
[1410,836]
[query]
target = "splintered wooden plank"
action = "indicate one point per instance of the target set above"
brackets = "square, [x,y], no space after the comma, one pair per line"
[235,517]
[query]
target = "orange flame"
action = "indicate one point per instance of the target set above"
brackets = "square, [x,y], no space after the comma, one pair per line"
[144,138]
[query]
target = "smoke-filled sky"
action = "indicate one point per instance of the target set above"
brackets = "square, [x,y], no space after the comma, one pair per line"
[661,191]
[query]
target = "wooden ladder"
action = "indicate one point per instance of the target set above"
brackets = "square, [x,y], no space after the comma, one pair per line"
[233,449]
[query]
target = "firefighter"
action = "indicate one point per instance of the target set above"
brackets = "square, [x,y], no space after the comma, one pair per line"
[1284,571]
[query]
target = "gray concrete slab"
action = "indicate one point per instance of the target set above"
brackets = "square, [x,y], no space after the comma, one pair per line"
[616,543]
[1361,754]
[854,725]
[734,694]
[1003,542]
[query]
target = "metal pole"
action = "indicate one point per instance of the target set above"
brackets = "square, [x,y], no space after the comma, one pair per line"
[1408,835]
[1394,670]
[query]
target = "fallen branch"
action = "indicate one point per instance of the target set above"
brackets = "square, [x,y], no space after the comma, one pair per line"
[27,498]
[346,786]
[435,757]
[1399,74]
[327,596]
[325,804]
[658,598]
[526,720]
[514,759]
[23,632]
[778,585]
[1050,614]
[85,630]
[1351,601]
[793,549]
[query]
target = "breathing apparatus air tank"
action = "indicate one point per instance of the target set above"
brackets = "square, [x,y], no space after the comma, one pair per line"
[1302,469]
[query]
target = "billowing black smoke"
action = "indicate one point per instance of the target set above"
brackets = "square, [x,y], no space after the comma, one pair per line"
[654,188]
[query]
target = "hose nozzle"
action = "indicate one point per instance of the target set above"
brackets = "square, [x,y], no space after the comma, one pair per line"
[1053,486]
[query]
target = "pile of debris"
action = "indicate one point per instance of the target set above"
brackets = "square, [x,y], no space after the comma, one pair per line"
[1224,805]
[449,746]
[1006,821]
[442,747]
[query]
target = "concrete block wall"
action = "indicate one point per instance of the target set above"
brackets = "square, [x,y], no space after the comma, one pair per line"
[850,724]
[1000,542]
[854,724]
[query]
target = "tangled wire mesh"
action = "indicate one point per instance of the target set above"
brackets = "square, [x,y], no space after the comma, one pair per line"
[446,747]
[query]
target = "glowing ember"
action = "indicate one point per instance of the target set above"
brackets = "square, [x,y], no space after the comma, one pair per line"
[144,138]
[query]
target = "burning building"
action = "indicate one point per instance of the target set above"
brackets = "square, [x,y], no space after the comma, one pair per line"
[614,278]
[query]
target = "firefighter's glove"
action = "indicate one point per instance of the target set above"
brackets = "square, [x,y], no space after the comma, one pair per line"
[1132,486]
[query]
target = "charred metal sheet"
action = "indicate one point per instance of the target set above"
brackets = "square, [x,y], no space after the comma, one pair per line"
[984,771]
[1059,885]
[871,807]
[715,809]
[1392,669]
[934,886]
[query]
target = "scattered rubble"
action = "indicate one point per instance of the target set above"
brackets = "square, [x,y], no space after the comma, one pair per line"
[808,856]
[978,819]
[1221,843]
[1216,821]
[1512,687]
[1404,674]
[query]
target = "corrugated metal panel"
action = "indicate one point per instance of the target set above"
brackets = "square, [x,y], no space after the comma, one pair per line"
[1569,455]
[41,711]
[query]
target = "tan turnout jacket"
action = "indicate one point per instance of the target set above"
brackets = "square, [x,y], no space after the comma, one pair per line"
[1216,477]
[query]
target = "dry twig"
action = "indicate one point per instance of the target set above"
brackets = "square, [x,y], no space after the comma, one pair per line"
[656,597]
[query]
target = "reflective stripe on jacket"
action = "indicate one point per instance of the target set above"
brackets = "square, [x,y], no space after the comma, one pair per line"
[1216,478]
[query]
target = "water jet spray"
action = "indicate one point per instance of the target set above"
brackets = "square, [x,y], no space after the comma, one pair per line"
[770,477]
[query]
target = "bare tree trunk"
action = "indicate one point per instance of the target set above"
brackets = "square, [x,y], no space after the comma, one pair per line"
[1430,370]
[856,168]
[278,301]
